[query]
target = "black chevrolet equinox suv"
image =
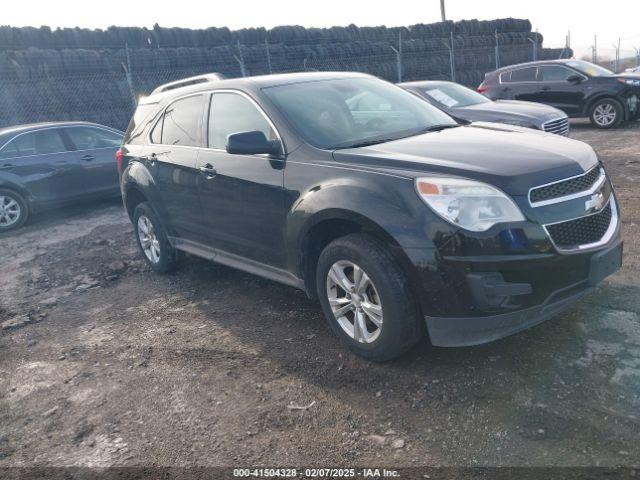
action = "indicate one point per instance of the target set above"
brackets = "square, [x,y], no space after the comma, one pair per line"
[399,220]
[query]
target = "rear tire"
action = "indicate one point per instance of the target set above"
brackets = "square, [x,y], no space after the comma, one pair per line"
[14,210]
[371,307]
[152,239]
[606,113]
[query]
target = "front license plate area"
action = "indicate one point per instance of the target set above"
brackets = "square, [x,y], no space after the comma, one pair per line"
[604,264]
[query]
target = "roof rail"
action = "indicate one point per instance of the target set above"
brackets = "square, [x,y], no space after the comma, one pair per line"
[185,82]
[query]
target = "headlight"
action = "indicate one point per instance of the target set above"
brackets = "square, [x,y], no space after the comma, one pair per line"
[471,205]
[630,81]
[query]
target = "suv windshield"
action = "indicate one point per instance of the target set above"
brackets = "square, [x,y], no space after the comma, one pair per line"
[590,69]
[344,113]
[450,95]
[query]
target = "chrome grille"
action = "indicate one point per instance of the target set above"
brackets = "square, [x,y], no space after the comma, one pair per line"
[563,188]
[558,126]
[585,232]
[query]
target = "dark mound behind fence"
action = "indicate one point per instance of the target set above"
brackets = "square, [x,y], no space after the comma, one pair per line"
[96,75]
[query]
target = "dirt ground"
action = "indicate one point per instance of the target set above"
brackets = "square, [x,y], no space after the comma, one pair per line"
[104,363]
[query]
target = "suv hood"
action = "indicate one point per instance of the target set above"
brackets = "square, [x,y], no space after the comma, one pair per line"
[513,159]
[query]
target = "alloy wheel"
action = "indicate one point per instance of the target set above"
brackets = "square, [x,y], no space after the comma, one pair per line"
[148,239]
[10,211]
[354,301]
[605,114]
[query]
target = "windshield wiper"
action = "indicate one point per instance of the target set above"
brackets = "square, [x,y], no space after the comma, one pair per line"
[364,143]
[375,141]
[438,128]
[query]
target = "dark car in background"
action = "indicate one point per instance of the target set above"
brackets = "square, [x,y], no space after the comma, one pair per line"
[397,218]
[465,104]
[47,165]
[579,88]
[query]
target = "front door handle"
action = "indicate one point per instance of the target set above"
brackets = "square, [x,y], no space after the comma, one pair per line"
[546,89]
[208,171]
[88,158]
[7,166]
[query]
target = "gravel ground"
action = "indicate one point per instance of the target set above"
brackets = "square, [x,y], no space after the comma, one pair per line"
[103,363]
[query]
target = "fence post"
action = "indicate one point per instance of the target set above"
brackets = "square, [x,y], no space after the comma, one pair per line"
[617,59]
[497,52]
[127,72]
[451,57]
[240,60]
[398,57]
[534,42]
[266,45]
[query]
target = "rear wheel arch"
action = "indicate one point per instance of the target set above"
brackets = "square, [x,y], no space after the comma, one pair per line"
[132,198]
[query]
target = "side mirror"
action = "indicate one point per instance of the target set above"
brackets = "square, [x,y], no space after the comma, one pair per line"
[575,79]
[251,143]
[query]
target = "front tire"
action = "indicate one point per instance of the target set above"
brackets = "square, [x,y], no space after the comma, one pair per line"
[606,113]
[366,298]
[152,239]
[14,210]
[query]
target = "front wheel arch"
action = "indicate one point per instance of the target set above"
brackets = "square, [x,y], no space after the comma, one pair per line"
[336,224]
[620,108]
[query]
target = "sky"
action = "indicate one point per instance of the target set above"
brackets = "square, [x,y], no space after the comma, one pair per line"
[553,18]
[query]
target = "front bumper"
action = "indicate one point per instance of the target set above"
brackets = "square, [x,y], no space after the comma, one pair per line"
[555,284]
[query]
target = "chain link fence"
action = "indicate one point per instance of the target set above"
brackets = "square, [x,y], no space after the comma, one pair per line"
[102,85]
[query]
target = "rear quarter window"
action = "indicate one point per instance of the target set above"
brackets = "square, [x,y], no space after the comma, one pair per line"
[9,150]
[136,124]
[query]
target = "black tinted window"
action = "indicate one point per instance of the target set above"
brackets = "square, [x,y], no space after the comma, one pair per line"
[89,138]
[522,75]
[133,130]
[554,73]
[182,122]
[234,113]
[40,143]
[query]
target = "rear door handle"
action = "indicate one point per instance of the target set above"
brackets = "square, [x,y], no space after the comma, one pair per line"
[544,89]
[7,166]
[88,158]
[208,171]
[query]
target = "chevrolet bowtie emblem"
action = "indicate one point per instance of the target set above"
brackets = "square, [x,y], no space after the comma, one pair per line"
[595,202]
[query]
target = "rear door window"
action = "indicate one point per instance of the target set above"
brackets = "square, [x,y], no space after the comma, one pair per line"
[182,121]
[521,75]
[90,138]
[554,73]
